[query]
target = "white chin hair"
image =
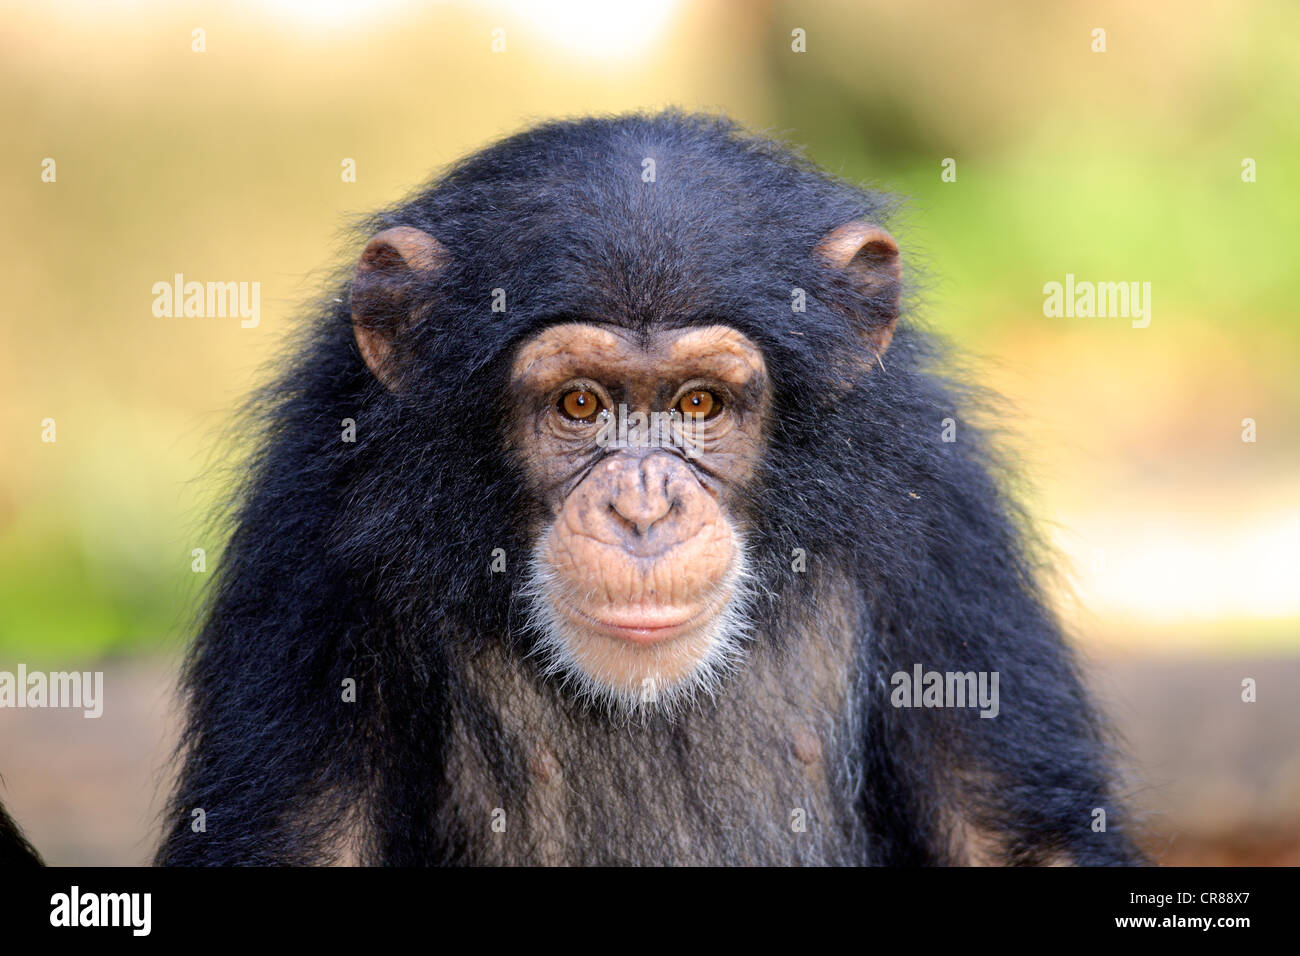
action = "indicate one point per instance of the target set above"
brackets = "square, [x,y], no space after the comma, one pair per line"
[724,643]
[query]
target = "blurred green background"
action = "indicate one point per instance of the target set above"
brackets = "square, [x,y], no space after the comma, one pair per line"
[1177,539]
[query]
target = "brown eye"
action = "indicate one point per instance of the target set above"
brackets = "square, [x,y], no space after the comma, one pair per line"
[700,403]
[580,405]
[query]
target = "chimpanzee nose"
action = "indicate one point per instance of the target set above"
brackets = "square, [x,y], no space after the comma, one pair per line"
[642,495]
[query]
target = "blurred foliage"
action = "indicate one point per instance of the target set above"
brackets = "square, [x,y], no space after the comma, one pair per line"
[1123,165]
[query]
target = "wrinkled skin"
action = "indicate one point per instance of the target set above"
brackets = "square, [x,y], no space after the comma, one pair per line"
[643,554]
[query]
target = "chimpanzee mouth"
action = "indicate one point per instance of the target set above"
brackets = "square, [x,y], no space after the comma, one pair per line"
[635,661]
[643,627]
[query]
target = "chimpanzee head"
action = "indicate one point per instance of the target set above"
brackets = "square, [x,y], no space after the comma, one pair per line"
[642,322]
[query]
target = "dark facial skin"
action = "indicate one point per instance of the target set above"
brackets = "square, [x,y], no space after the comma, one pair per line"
[642,555]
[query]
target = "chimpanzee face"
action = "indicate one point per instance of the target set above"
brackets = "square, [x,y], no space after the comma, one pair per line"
[639,444]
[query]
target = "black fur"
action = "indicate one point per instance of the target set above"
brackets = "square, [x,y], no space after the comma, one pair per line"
[15,851]
[370,560]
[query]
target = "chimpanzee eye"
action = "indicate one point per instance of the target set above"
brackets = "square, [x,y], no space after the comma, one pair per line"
[580,405]
[700,403]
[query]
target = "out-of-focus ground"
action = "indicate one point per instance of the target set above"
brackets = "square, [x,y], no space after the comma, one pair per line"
[1217,780]
[89,791]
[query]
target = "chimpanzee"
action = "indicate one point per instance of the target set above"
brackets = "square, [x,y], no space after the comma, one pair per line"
[605,515]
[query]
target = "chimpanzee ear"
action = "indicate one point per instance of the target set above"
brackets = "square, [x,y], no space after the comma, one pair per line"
[867,256]
[383,304]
